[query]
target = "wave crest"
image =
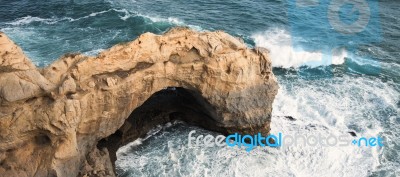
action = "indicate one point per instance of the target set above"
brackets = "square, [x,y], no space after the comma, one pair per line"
[285,55]
[29,19]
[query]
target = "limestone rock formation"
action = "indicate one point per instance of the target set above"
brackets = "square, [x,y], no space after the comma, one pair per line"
[68,119]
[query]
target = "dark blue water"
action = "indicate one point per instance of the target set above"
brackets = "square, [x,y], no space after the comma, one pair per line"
[327,78]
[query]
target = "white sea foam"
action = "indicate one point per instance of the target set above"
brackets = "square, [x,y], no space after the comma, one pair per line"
[93,52]
[285,55]
[170,20]
[93,14]
[127,148]
[330,106]
[127,14]
[30,19]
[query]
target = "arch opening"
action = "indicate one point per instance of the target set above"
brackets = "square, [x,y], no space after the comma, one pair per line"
[169,104]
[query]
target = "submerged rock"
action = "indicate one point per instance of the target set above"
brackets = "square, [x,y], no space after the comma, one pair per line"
[352,133]
[53,120]
[290,118]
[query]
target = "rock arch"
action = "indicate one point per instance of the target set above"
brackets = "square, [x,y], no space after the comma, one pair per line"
[54,117]
[166,105]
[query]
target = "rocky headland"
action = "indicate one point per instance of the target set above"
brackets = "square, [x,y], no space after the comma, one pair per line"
[69,118]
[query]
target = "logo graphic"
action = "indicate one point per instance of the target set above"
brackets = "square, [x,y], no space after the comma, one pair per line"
[352,8]
[329,26]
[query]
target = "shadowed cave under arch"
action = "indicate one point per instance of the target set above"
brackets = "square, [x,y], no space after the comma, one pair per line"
[169,104]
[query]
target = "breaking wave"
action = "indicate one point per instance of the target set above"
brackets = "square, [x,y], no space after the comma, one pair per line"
[284,54]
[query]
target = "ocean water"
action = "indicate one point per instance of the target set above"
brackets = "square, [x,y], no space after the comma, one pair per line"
[354,88]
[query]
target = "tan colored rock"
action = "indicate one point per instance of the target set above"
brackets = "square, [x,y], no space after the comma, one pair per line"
[11,56]
[68,86]
[51,119]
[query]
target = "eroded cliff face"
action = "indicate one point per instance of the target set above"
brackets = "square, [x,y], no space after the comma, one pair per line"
[52,119]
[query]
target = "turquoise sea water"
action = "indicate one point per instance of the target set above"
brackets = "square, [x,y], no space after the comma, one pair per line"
[357,90]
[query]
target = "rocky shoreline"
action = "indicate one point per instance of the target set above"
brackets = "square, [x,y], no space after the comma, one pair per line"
[69,118]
